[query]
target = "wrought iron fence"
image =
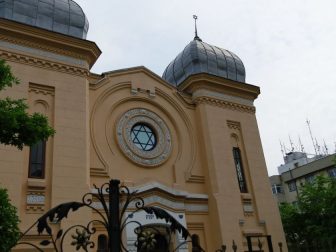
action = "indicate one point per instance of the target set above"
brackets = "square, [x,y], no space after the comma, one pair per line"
[112,218]
[115,200]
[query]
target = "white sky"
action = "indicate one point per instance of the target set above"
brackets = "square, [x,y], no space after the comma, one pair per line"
[288,49]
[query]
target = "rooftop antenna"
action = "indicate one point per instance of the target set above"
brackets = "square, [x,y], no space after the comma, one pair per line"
[282,149]
[301,145]
[196,35]
[291,143]
[302,149]
[318,147]
[311,135]
[325,148]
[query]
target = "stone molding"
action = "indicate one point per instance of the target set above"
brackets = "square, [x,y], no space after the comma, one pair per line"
[34,47]
[225,104]
[203,96]
[233,125]
[68,59]
[167,203]
[220,96]
[41,89]
[185,201]
[23,59]
[169,190]
[194,178]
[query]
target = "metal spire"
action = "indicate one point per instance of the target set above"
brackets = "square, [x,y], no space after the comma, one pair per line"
[196,35]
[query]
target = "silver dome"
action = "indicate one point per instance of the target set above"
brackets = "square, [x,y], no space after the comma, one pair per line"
[199,57]
[63,16]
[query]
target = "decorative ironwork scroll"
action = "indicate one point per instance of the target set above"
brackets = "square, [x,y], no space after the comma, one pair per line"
[114,201]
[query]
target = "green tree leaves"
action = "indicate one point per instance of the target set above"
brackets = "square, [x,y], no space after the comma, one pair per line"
[9,231]
[312,223]
[7,79]
[17,127]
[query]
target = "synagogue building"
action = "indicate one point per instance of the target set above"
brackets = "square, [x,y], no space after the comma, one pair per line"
[188,140]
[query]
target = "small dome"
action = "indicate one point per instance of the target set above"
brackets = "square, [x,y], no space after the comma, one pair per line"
[199,57]
[63,16]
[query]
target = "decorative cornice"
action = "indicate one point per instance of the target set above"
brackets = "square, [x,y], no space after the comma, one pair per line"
[219,85]
[154,187]
[170,204]
[185,98]
[233,125]
[135,70]
[43,52]
[169,190]
[191,178]
[50,41]
[99,172]
[225,104]
[196,225]
[23,59]
[221,96]
[253,232]
[41,89]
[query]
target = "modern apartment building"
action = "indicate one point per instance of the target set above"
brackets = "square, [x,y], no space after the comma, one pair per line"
[297,170]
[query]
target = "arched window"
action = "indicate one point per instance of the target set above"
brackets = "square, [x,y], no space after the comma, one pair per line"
[37,160]
[102,243]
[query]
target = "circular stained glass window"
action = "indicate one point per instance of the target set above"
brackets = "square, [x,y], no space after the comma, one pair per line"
[143,137]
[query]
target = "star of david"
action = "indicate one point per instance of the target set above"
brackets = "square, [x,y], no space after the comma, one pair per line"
[143,137]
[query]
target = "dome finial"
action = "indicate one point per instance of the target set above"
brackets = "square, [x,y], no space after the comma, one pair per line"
[196,36]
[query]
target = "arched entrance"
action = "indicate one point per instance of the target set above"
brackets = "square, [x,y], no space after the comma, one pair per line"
[155,238]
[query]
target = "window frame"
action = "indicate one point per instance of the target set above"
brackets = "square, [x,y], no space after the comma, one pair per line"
[237,158]
[42,163]
[292,188]
[332,172]
[277,189]
[310,178]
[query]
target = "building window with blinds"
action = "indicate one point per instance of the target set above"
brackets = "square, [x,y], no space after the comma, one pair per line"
[239,170]
[37,160]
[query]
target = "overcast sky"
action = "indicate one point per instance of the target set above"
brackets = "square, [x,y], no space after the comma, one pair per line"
[288,49]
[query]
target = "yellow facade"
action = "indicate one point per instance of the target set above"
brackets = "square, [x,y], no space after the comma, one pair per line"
[197,126]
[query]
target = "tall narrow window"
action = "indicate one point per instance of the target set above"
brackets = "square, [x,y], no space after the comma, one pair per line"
[239,170]
[37,160]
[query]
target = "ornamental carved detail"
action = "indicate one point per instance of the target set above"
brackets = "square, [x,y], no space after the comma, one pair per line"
[148,158]
[225,104]
[233,125]
[43,63]
[35,202]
